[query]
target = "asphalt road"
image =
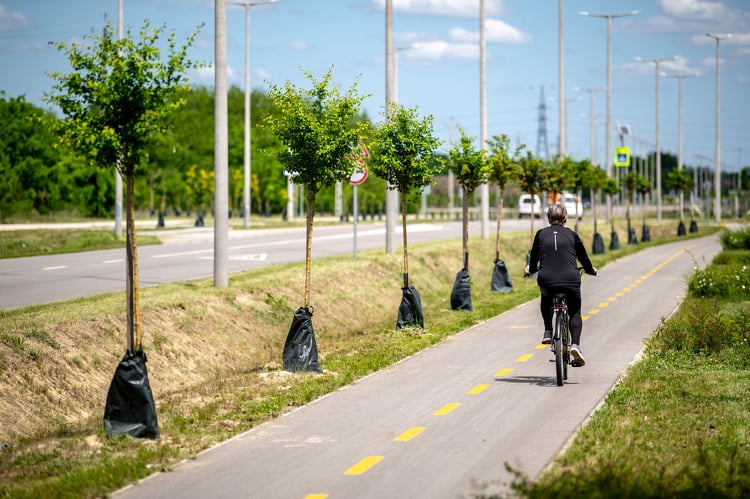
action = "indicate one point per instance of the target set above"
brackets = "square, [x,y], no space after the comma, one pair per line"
[450,416]
[188,254]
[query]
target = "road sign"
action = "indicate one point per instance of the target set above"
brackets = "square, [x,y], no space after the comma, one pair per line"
[359,176]
[622,156]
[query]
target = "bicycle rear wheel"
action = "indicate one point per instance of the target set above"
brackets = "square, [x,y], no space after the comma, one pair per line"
[565,339]
[557,347]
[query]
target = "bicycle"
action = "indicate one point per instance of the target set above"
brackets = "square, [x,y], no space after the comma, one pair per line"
[561,340]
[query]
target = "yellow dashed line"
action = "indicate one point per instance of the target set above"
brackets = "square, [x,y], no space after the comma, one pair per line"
[503,372]
[409,434]
[541,346]
[522,327]
[620,294]
[603,305]
[316,496]
[478,389]
[594,311]
[584,317]
[525,357]
[364,465]
[611,299]
[446,409]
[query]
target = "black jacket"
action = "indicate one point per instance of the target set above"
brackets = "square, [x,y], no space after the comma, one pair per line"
[554,253]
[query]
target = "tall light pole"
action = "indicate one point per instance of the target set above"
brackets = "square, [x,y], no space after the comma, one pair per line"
[679,78]
[118,176]
[657,62]
[221,151]
[717,153]
[563,144]
[592,117]
[484,190]
[390,194]
[248,167]
[608,150]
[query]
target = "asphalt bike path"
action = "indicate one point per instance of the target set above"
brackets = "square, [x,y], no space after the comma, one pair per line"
[443,422]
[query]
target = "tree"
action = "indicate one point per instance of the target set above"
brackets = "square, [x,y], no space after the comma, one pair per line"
[643,187]
[610,187]
[631,182]
[402,155]
[560,175]
[595,179]
[532,180]
[503,168]
[681,181]
[319,133]
[470,167]
[116,100]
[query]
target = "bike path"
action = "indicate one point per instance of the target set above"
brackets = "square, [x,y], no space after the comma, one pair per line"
[451,416]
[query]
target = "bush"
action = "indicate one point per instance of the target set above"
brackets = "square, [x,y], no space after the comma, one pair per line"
[729,282]
[738,239]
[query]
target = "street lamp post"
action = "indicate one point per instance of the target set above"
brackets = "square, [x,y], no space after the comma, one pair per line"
[248,168]
[717,153]
[657,62]
[118,176]
[679,78]
[608,151]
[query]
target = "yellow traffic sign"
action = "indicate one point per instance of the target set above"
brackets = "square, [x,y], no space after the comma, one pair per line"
[622,156]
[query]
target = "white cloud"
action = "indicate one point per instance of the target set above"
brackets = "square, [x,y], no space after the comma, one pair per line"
[441,50]
[300,46]
[451,8]
[703,10]
[497,32]
[12,21]
[205,76]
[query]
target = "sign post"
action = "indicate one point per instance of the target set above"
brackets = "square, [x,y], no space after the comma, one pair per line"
[622,156]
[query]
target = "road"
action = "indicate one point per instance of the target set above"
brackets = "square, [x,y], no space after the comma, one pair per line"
[451,415]
[188,254]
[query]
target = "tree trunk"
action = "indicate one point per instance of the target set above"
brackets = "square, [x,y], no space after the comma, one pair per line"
[308,252]
[131,265]
[594,195]
[499,219]
[403,230]
[465,209]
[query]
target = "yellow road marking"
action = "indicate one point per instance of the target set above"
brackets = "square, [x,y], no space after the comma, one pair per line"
[525,357]
[585,317]
[364,465]
[603,305]
[316,496]
[620,294]
[503,372]
[478,389]
[409,434]
[611,299]
[521,327]
[594,311]
[540,346]
[446,409]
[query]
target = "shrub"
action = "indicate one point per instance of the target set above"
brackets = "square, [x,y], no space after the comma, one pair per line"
[737,239]
[730,282]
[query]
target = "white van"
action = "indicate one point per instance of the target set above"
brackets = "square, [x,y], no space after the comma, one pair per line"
[570,201]
[524,206]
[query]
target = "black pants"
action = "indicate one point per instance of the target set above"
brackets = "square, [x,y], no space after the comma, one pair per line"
[573,298]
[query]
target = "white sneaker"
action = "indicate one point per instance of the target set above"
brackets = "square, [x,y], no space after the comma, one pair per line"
[578,360]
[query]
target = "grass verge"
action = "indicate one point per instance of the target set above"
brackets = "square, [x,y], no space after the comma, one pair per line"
[214,356]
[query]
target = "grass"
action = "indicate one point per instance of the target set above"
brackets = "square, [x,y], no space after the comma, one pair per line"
[678,425]
[19,243]
[214,356]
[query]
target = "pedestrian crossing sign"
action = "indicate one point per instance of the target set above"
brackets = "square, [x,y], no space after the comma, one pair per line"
[622,156]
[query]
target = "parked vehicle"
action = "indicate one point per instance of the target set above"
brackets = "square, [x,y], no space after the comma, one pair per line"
[569,200]
[525,203]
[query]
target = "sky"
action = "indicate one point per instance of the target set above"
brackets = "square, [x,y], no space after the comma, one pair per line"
[438,69]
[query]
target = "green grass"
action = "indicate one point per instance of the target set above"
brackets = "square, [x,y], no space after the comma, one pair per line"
[19,243]
[214,356]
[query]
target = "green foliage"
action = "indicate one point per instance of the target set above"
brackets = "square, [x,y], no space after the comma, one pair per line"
[721,281]
[560,175]
[403,150]
[736,239]
[503,164]
[532,175]
[318,128]
[468,164]
[119,94]
[611,187]
[680,180]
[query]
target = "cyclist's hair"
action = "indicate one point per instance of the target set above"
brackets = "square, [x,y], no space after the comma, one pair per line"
[557,214]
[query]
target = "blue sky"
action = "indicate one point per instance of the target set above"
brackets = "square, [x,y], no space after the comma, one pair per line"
[438,66]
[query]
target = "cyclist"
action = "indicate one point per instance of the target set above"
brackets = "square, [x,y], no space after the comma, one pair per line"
[553,254]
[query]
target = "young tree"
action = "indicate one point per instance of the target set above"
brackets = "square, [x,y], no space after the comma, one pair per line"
[595,180]
[643,187]
[470,167]
[503,168]
[118,98]
[681,181]
[631,181]
[610,187]
[582,178]
[318,130]
[560,175]
[403,156]
[532,180]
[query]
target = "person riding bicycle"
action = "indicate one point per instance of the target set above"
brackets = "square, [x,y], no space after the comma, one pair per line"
[553,254]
